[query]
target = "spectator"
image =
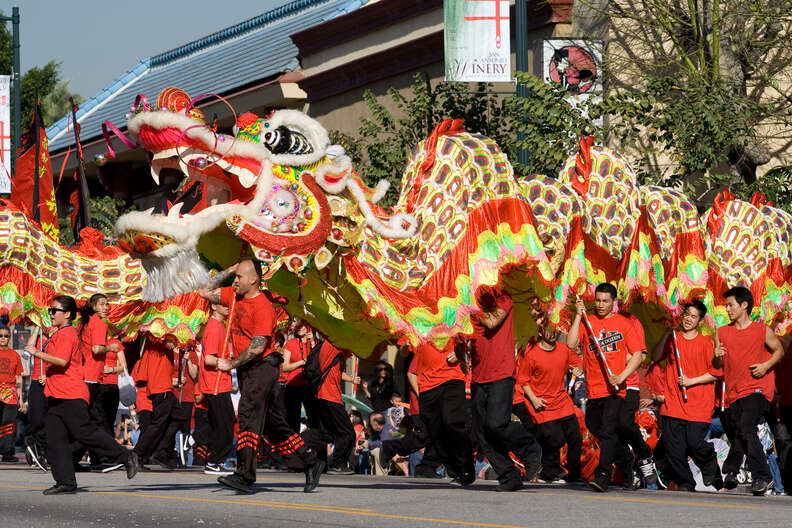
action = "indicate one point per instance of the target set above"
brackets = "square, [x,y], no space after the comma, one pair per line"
[123,432]
[381,430]
[380,390]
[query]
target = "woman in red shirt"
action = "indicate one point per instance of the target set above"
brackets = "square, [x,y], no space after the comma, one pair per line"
[10,395]
[67,402]
[115,364]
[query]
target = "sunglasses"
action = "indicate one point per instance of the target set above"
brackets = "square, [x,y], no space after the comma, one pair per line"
[5,336]
[53,311]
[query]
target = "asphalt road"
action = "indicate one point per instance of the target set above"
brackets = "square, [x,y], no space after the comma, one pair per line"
[190,498]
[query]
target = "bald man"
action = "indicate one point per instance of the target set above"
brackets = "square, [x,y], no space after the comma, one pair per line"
[252,322]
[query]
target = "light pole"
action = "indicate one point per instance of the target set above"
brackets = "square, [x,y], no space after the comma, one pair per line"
[14,19]
[521,26]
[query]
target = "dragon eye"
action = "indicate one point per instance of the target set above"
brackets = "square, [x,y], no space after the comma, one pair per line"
[272,138]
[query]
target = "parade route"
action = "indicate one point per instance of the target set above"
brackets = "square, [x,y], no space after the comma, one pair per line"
[190,498]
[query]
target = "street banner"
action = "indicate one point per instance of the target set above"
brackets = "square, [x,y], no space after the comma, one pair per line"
[477,44]
[5,133]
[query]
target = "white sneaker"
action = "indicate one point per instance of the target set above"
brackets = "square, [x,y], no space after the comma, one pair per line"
[108,469]
[216,469]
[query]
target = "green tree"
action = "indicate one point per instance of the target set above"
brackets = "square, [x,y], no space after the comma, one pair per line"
[105,211]
[384,143]
[702,81]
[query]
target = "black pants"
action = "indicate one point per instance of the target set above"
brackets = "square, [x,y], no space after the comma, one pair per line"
[783,442]
[682,438]
[260,415]
[144,420]
[109,399]
[216,432]
[8,428]
[68,421]
[629,429]
[520,410]
[334,427]
[152,437]
[602,419]
[741,422]
[552,436]
[181,414]
[294,398]
[444,411]
[96,414]
[416,438]
[36,415]
[497,434]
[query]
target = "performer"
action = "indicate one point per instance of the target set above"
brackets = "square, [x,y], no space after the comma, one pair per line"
[217,432]
[10,395]
[158,372]
[747,351]
[494,371]
[67,403]
[444,407]
[115,364]
[542,378]
[631,430]
[94,347]
[297,393]
[252,328]
[143,406]
[686,417]
[606,391]
[334,422]
[35,435]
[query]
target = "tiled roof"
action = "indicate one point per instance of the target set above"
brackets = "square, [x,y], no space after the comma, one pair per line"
[255,49]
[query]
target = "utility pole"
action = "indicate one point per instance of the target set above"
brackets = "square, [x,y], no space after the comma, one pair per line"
[14,19]
[521,14]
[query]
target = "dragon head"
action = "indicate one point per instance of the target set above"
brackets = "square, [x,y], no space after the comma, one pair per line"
[277,185]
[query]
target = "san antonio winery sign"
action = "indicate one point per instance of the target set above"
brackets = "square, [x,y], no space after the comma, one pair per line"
[477,47]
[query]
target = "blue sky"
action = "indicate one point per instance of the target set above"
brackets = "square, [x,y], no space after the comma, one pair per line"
[95,41]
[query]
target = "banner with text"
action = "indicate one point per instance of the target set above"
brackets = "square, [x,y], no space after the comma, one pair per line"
[477,44]
[5,133]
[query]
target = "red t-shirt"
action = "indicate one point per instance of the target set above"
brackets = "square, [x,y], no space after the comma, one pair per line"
[696,359]
[783,372]
[252,317]
[330,389]
[297,350]
[545,372]
[10,368]
[111,360]
[633,381]
[433,368]
[66,383]
[745,348]
[519,393]
[93,333]
[211,380]
[493,350]
[188,391]
[159,367]
[655,379]
[617,339]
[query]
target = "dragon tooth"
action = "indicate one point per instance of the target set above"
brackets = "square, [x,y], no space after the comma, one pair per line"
[174,211]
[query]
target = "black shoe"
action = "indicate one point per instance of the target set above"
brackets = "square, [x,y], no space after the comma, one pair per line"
[235,482]
[61,489]
[629,478]
[510,485]
[760,486]
[340,471]
[132,465]
[465,481]
[532,467]
[165,463]
[216,469]
[730,482]
[9,458]
[312,475]
[79,468]
[600,483]
[686,487]
[716,482]
[648,473]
